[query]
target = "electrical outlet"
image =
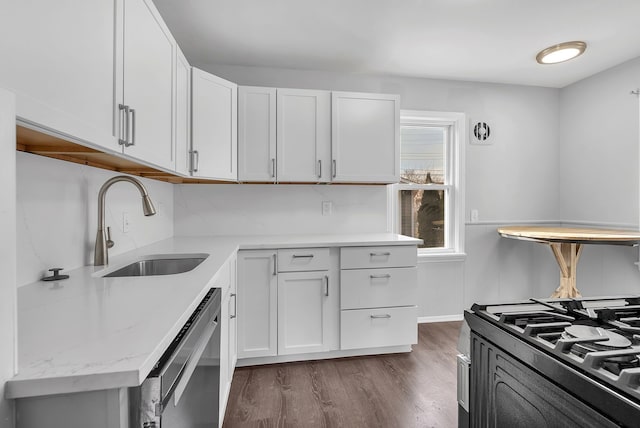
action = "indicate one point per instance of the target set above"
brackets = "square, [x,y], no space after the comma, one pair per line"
[474,216]
[327,207]
[126,222]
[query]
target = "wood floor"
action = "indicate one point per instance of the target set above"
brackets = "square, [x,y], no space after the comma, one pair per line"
[416,389]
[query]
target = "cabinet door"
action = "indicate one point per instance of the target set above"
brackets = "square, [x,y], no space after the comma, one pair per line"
[256,134]
[257,304]
[183,115]
[303,136]
[365,138]
[214,126]
[302,312]
[148,55]
[233,318]
[58,60]
[225,380]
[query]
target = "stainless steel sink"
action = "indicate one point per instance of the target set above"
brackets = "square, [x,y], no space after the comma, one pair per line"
[169,264]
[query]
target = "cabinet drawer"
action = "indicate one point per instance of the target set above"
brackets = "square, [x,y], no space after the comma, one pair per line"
[303,259]
[378,257]
[372,328]
[370,288]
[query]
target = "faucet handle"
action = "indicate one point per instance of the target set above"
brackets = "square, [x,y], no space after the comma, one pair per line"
[110,243]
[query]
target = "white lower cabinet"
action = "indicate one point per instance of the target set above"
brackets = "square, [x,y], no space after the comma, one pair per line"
[300,301]
[303,312]
[378,288]
[257,304]
[378,327]
[228,341]
[287,302]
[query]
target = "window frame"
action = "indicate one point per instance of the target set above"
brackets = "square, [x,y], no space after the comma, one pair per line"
[456,124]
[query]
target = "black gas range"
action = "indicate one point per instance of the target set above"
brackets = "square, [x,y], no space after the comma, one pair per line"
[555,363]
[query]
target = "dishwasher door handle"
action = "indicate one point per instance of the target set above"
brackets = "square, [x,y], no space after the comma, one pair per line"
[192,362]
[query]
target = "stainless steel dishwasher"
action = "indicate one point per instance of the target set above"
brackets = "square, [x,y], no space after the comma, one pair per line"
[182,391]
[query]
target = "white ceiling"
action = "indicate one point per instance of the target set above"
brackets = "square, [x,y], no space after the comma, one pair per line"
[475,40]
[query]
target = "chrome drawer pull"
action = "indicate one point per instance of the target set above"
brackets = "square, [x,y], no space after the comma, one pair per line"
[380,254]
[302,256]
[380,316]
[386,276]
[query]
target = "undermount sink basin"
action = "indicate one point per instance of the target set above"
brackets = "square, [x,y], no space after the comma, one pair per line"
[166,264]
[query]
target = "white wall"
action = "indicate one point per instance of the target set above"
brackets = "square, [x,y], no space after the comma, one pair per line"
[513,180]
[7,252]
[254,209]
[599,180]
[57,206]
[599,148]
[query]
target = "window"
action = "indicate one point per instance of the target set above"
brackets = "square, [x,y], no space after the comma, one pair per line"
[428,202]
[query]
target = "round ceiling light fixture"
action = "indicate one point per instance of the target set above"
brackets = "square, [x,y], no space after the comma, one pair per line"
[561,52]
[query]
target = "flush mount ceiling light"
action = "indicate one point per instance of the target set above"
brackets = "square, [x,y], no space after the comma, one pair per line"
[561,52]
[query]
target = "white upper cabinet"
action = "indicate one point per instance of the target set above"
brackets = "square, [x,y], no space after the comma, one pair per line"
[214,119]
[303,135]
[58,60]
[183,114]
[318,136]
[365,141]
[145,98]
[256,134]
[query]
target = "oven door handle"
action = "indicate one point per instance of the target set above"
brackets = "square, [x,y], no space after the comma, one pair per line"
[192,362]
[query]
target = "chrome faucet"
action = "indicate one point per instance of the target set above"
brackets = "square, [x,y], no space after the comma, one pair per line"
[103,237]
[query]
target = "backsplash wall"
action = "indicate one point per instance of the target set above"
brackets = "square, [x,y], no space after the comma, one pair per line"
[265,209]
[57,206]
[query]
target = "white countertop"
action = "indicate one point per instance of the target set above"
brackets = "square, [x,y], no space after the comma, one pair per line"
[89,332]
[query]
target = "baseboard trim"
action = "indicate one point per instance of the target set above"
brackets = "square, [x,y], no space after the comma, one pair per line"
[258,361]
[440,318]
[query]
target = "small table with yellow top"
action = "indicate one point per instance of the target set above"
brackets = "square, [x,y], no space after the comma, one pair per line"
[566,244]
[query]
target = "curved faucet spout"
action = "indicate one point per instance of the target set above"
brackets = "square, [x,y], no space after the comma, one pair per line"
[103,240]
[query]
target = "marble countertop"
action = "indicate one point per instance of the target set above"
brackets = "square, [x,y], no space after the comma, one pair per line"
[90,333]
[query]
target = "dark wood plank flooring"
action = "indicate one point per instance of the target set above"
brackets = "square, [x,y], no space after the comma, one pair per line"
[416,389]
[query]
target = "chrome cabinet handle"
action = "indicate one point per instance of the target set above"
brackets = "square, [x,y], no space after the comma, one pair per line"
[302,256]
[133,129]
[386,276]
[195,160]
[124,117]
[275,268]
[385,316]
[235,305]
[320,168]
[326,285]
[380,254]
[273,168]
[333,168]
[126,126]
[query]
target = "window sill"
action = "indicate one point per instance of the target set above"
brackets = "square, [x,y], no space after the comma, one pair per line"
[441,257]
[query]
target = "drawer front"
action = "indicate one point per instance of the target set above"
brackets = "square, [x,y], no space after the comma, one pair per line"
[303,259]
[371,288]
[373,328]
[378,257]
